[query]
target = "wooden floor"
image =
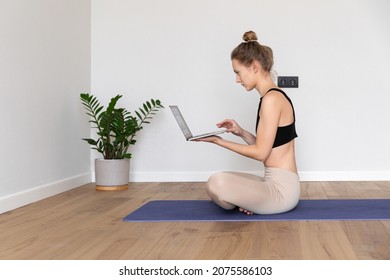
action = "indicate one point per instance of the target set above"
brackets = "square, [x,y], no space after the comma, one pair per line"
[87,224]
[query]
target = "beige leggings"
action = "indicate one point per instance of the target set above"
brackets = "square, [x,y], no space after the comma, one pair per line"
[277,192]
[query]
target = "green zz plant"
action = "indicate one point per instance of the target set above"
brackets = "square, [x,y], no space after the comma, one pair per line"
[116,127]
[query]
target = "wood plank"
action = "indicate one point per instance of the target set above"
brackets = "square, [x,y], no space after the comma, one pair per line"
[277,241]
[325,241]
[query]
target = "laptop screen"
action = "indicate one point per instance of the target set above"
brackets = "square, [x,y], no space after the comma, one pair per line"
[180,120]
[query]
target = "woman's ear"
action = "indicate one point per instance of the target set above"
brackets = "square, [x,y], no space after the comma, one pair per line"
[256,66]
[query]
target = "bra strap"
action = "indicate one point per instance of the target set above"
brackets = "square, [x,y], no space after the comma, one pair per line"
[285,95]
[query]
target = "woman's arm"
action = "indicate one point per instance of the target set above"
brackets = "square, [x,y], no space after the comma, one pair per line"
[259,147]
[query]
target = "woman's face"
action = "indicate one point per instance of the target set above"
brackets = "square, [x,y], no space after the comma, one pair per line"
[245,75]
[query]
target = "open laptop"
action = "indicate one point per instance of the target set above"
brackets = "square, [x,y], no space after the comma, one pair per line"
[184,127]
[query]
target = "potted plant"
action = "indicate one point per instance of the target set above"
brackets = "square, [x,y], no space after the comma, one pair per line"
[116,131]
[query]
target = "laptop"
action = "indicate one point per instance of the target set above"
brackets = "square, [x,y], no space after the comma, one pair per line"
[184,127]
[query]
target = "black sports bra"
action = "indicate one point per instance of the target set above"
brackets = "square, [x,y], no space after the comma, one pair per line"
[284,134]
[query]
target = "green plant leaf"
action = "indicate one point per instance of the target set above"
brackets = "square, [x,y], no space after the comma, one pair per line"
[90,141]
[128,155]
[138,115]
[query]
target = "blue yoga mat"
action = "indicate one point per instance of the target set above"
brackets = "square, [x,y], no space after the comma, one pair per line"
[205,210]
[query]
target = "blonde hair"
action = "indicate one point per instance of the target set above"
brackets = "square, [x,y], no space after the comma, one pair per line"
[251,50]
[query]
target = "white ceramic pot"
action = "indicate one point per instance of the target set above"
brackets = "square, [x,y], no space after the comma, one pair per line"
[112,174]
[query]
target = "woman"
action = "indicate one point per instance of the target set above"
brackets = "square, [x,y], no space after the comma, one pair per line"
[273,144]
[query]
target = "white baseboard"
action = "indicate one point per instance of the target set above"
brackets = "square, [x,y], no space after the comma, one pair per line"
[170,176]
[382,175]
[13,201]
[304,176]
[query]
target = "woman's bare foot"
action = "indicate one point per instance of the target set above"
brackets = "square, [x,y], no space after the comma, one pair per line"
[246,211]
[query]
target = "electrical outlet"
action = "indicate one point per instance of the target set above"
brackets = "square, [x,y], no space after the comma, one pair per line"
[288,81]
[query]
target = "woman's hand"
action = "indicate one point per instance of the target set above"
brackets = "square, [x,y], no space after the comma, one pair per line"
[210,139]
[231,126]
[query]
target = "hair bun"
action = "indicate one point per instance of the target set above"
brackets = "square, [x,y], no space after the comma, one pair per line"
[249,36]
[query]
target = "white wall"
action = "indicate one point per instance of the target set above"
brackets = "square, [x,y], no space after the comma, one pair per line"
[44,65]
[179,51]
